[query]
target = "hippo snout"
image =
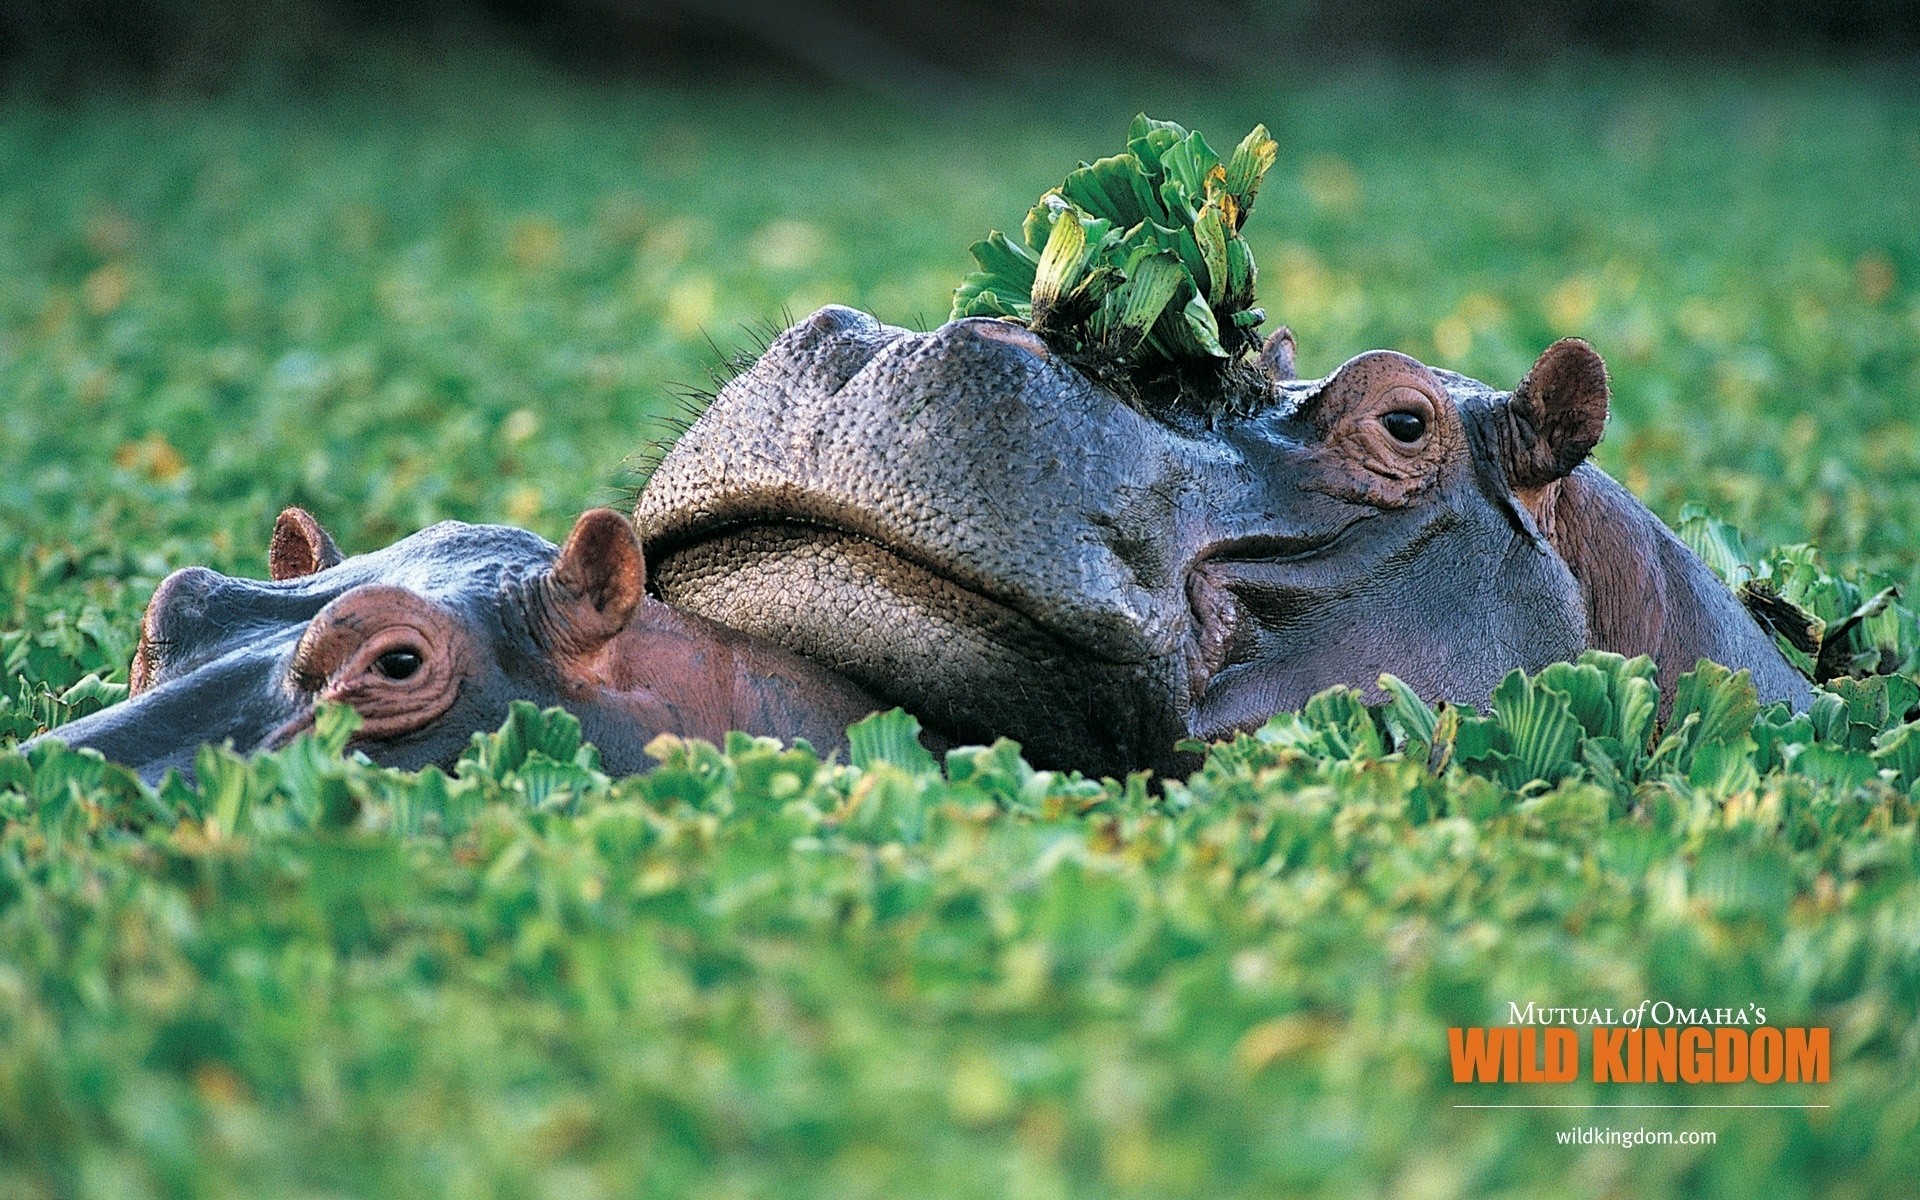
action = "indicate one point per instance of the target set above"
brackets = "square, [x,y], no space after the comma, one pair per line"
[238,698]
[174,626]
[211,666]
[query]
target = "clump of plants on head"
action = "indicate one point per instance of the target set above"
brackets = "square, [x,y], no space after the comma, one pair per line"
[1135,259]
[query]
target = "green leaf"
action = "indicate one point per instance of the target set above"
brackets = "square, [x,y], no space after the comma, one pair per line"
[16,774]
[1251,160]
[1344,724]
[1710,704]
[1778,734]
[1541,729]
[1148,140]
[225,787]
[1410,717]
[1005,259]
[1182,242]
[1153,278]
[1571,809]
[1835,766]
[92,693]
[334,726]
[1210,234]
[1474,740]
[1898,750]
[1109,188]
[1717,543]
[1588,696]
[527,730]
[1194,330]
[1742,881]
[1187,164]
[891,737]
[1840,652]
[1852,712]
[1725,768]
[1064,263]
[1615,700]
[1241,276]
[974,298]
[549,786]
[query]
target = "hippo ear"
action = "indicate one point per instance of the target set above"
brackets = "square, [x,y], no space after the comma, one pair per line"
[598,581]
[1557,414]
[300,547]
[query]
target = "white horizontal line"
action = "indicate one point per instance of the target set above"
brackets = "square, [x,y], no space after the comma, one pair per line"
[1643,1106]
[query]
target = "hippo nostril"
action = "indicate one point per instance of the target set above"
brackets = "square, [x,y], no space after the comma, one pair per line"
[836,319]
[1013,335]
[184,593]
[827,349]
[175,621]
[976,338]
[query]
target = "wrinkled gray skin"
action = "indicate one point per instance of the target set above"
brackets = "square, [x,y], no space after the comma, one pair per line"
[968,526]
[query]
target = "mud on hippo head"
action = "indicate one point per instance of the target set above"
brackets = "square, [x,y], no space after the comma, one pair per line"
[428,640]
[975,529]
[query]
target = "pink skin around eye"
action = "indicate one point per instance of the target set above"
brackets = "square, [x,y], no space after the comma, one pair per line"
[339,660]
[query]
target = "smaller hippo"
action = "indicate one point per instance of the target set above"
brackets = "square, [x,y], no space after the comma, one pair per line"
[433,637]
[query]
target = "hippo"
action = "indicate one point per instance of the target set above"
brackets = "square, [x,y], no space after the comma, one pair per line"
[430,640]
[1003,541]
[999,539]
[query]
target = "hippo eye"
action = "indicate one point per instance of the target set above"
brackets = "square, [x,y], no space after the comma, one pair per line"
[398,664]
[1407,427]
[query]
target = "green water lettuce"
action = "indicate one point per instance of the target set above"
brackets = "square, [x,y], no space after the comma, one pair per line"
[1828,626]
[1137,257]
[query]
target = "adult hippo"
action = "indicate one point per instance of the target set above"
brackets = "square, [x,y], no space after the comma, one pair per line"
[430,640]
[969,526]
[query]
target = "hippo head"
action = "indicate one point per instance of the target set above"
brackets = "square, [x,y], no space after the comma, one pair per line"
[428,640]
[969,526]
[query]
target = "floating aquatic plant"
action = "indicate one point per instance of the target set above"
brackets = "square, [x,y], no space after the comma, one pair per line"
[1137,257]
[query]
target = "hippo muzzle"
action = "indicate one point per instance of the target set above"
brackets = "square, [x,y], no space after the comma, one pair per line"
[957,520]
[236,698]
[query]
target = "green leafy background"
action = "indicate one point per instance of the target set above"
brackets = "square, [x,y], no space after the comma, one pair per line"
[751,974]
